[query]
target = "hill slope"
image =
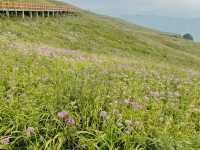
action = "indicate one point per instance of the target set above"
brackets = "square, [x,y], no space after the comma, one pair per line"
[126,87]
[107,35]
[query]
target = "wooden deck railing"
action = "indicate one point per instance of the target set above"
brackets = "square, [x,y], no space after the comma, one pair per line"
[33,7]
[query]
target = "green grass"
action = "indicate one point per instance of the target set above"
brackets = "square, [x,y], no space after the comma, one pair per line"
[96,62]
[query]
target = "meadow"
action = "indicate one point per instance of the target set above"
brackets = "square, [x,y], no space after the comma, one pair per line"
[96,83]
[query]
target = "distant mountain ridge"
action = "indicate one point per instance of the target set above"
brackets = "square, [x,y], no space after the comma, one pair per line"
[167,24]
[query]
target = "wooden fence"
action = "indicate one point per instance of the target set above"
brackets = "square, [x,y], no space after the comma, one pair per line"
[14,6]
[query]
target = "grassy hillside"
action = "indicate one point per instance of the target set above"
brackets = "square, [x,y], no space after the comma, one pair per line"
[126,87]
[107,36]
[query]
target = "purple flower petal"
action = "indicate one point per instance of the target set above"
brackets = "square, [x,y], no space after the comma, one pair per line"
[70,122]
[103,114]
[133,104]
[63,115]
[30,131]
[5,140]
[128,122]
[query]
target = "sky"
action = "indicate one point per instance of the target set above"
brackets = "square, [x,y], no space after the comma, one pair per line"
[172,8]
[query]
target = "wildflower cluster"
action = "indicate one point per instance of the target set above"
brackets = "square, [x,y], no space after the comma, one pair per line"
[104,115]
[5,140]
[30,131]
[133,104]
[66,118]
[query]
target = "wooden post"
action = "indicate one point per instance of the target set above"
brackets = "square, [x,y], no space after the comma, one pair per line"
[48,14]
[31,14]
[23,14]
[7,13]
[36,13]
[43,14]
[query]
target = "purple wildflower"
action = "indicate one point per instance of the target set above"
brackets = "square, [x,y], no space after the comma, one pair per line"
[127,102]
[70,122]
[5,140]
[155,94]
[138,124]
[103,114]
[119,123]
[63,115]
[133,104]
[124,65]
[177,94]
[128,122]
[129,130]
[117,113]
[67,51]
[137,106]
[30,131]
[45,50]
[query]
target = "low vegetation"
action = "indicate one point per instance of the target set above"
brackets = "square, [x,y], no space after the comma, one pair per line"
[93,82]
[188,36]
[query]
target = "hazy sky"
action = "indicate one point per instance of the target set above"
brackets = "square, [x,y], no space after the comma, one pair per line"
[177,8]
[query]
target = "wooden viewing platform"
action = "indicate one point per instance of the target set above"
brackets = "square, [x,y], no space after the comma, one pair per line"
[33,9]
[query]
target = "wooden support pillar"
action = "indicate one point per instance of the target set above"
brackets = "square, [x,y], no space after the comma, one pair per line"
[43,14]
[31,14]
[53,13]
[16,13]
[7,13]
[36,13]
[23,14]
[48,14]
